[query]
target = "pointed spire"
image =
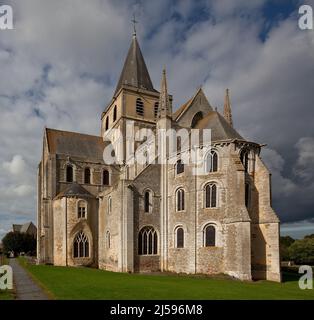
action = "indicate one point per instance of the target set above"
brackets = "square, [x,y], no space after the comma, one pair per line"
[164,103]
[134,72]
[227,109]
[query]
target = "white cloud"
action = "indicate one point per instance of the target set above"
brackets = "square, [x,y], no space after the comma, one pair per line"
[23,190]
[16,166]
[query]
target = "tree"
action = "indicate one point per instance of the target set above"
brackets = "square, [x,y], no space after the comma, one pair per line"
[18,242]
[285,243]
[302,251]
[309,236]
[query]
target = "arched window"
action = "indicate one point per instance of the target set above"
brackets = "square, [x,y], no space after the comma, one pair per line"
[146,157]
[105,178]
[244,156]
[69,173]
[179,144]
[179,237]
[148,201]
[81,209]
[81,246]
[139,107]
[147,241]
[109,205]
[107,123]
[212,161]
[247,194]
[114,113]
[197,117]
[179,166]
[209,234]
[156,107]
[180,200]
[211,195]
[108,240]
[87,176]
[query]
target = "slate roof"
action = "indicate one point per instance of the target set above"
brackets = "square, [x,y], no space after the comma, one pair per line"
[28,227]
[181,109]
[17,227]
[221,129]
[74,190]
[134,72]
[75,144]
[25,227]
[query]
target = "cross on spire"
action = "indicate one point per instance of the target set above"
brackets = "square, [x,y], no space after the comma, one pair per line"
[134,24]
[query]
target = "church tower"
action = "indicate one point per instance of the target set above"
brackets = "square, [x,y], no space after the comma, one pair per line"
[134,99]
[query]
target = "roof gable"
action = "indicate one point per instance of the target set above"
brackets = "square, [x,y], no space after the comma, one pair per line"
[198,103]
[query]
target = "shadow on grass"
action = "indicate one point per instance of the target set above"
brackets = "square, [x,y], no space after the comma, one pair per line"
[288,276]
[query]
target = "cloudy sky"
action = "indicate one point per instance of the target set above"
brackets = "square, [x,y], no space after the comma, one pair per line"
[60,64]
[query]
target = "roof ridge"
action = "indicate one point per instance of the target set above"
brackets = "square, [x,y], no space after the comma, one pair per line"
[76,189]
[75,132]
[221,129]
[186,105]
[221,117]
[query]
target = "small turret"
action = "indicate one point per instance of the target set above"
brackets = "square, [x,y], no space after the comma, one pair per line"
[227,109]
[165,108]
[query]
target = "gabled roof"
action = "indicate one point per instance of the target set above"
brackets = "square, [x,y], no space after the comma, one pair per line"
[17,227]
[134,72]
[75,144]
[26,228]
[220,128]
[181,110]
[74,190]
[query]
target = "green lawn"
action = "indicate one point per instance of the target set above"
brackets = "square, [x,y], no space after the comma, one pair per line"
[83,283]
[6,294]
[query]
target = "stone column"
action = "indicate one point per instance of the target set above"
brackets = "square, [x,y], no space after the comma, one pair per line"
[128,229]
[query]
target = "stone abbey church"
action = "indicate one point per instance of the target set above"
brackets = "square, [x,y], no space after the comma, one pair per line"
[157,217]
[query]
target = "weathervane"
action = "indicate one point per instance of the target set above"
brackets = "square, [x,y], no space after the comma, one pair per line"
[134,24]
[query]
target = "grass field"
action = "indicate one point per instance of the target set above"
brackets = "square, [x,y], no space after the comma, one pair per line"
[83,283]
[5,294]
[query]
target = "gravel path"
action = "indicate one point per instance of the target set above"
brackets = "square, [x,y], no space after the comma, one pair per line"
[26,288]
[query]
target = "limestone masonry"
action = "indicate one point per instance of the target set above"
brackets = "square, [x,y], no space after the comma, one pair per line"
[152,217]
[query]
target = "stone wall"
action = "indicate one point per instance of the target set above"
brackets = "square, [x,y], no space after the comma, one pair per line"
[67,225]
[265,229]
[110,221]
[149,179]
